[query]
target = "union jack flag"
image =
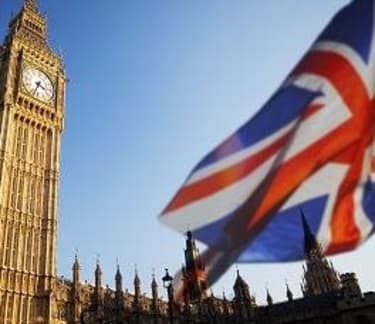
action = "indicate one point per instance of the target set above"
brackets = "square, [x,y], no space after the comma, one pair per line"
[310,146]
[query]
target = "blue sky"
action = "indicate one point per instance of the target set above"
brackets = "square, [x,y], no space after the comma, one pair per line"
[153,86]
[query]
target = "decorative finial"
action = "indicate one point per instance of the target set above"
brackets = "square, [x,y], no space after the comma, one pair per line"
[31,4]
[305,224]
[75,255]
[153,282]
[310,241]
[269,298]
[76,267]
[118,271]
[137,281]
[289,293]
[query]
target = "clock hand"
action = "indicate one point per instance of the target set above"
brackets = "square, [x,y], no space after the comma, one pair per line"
[36,88]
[38,85]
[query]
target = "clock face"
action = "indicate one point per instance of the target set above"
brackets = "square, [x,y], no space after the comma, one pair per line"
[38,84]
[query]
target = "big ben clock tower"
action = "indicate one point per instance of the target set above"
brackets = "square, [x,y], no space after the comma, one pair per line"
[32,85]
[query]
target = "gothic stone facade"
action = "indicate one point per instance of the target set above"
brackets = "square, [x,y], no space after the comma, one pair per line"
[32,85]
[32,100]
[327,297]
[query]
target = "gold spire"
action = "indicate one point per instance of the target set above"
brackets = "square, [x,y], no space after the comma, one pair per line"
[31,4]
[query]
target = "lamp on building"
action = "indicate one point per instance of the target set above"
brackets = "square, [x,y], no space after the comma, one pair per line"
[167,283]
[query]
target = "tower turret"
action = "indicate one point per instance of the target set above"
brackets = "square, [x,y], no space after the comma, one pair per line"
[137,284]
[76,270]
[319,275]
[137,291]
[289,293]
[194,275]
[243,302]
[155,295]
[29,24]
[241,289]
[75,294]
[350,286]
[154,288]
[98,286]
[119,295]
[269,298]
[310,243]
[98,276]
[32,5]
[118,280]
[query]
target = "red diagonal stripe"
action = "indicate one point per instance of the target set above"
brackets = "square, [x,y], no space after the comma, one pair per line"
[345,79]
[345,234]
[219,180]
[342,75]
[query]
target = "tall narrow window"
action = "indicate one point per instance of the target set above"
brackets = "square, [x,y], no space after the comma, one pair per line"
[2,304]
[10,309]
[22,246]
[36,146]
[15,247]
[20,191]
[17,301]
[25,310]
[49,149]
[13,189]
[24,143]
[16,137]
[38,198]
[28,249]
[18,142]
[31,196]
[35,252]
[42,148]
[9,244]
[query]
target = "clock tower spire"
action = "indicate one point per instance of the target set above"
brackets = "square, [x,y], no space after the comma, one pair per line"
[31,4]
[32,100]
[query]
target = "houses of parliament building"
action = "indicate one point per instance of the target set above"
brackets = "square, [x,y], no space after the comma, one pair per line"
[32,99]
